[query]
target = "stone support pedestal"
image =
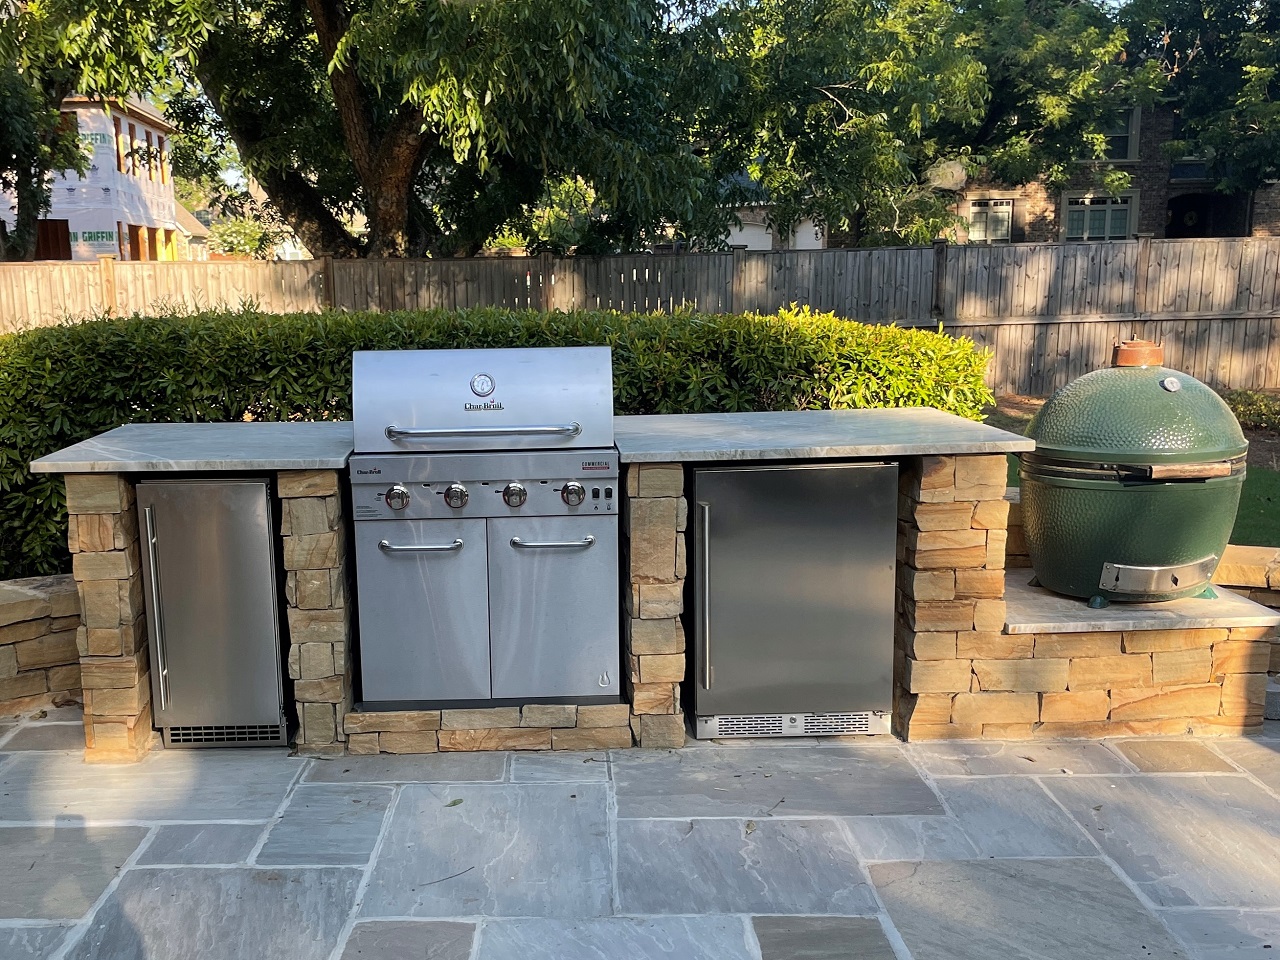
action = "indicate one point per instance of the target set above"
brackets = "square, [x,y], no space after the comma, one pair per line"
[112,639]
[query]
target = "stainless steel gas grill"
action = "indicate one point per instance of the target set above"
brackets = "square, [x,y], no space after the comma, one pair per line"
[485,493]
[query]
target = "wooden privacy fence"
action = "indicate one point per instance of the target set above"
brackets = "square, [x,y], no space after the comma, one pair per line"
[1049,312]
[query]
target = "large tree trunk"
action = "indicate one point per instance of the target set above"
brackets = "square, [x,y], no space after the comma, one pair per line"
[390,188]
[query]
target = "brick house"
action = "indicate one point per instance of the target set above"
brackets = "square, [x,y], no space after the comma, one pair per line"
[1167,198]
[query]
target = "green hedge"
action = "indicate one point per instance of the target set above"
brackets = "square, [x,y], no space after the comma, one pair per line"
[59,385]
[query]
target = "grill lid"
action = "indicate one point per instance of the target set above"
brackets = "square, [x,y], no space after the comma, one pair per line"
[510,399]
[1133,414]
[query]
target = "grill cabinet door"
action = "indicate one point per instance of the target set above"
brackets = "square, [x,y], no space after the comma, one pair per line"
[554,606]
[424,627]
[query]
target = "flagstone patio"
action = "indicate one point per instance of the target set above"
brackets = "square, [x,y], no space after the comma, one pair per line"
[838,850]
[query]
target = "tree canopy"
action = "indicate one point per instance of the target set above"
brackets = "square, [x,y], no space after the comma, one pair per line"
[411,127]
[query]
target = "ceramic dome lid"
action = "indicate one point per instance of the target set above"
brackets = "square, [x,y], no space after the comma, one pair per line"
[1136,415]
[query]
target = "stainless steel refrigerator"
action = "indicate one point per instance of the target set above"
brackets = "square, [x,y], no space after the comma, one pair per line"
[794,579]
[213,620]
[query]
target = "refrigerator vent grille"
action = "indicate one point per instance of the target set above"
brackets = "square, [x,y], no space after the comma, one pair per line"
[816,724]
[263,733]
[761,725]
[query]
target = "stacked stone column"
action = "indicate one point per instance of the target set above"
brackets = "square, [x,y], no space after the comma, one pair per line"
[313,538]
[112,639]
[950,599]
[654,523]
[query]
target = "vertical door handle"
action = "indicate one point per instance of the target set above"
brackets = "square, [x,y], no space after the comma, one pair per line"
[704,589]
[161,666]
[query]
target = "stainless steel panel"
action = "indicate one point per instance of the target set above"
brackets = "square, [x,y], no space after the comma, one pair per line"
[424,621]
[795,588]
[1125,578]
[210,594]
[425,479]
[528,398]
[554,606]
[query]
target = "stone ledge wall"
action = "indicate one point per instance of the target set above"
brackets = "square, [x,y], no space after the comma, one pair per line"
[112,640]
[314,553]
[533,727]
[39,659]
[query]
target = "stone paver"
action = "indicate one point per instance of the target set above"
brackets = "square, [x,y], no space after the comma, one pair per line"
[410,940]
[328,824]
[57,874]
[1172,756]
[167,785]
[48,736]
[1226,934]
[222,914]
[822,938]
[994,759]
[432,768]
[1068,909]
[202,843]
[704,938]
[559,767]
[755,851]
[529,849]
[762,781]
[1012,817]
[910,838]
[1184,840]
[738,866]
[30,943]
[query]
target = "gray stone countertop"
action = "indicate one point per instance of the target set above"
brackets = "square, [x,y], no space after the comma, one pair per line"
[807,434]
[170,447]
[1031,609]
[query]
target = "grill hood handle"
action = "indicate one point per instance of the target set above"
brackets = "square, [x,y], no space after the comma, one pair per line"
[534,430]
[1190,471]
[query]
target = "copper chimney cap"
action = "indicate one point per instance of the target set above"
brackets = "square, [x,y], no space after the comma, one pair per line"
[1137,353]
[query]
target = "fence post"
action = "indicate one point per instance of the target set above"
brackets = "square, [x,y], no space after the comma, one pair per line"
[738,282]
[546,296]
[938,306]
[107,273]
[326,284]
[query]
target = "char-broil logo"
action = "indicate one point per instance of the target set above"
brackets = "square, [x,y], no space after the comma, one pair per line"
[372,471]
[596,465]
[495,405]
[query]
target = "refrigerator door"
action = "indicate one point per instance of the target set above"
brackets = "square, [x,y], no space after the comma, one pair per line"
[424,610]
[794,584]
[210,592]
[554,611]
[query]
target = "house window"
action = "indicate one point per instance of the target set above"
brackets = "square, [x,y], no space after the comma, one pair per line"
[1122,137]
[119,145]
[1100,218]
[133,147]
[164,160]
[151,158]
[990,220]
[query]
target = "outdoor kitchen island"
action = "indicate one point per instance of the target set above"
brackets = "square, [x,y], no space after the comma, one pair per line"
[956,671]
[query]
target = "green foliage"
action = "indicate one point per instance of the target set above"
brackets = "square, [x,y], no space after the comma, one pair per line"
[60,385]
[1254,409]
[244,237]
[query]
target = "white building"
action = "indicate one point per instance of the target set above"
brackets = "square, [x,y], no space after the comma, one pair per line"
[756,234]
[124,205]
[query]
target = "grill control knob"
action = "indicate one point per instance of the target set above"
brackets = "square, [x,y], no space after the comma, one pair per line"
[397,498]
[456,496]
[573,493]
[514,494]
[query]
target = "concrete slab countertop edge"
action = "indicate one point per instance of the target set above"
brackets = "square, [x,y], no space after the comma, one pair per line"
[782,435]
[1031,609]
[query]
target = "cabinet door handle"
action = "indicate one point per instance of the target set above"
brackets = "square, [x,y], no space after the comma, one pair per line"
[386,547]
[552,544]
[704,588]
[157,616]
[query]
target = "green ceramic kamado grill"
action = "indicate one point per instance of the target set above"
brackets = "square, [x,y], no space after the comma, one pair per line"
[1132,490]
